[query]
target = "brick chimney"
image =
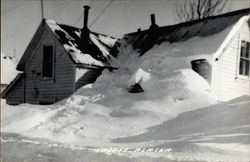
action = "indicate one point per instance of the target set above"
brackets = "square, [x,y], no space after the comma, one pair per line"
[153,24]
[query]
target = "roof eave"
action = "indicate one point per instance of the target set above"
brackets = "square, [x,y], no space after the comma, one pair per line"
[10,87]
[36,37]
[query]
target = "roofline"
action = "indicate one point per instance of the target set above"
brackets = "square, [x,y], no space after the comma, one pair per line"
[245,10]
[36,37]
[78,65]
[11,86]
[76,28]
[229,37]
[59,41]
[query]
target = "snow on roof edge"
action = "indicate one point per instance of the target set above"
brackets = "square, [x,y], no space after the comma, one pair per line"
[74,51]
[230,36]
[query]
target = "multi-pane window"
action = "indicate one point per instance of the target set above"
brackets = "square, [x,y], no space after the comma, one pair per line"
[48,62]
[244,58]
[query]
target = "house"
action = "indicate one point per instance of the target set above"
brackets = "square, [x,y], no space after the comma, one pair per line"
[8,70]
[59,60]
[216,47]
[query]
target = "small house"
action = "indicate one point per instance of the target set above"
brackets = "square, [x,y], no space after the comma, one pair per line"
[59,60]
[216,47]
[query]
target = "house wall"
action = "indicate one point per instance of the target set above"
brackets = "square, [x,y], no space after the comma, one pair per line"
[226,81]
[40,90]
[16,96]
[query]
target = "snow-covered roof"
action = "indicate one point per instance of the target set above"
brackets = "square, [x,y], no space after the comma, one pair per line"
[95,50]
[8,69]
[201,37]
[92,51]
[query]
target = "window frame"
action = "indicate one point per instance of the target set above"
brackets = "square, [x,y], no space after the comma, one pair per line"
[53,62]
[242,76]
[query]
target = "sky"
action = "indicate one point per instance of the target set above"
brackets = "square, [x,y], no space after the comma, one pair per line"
[20,18]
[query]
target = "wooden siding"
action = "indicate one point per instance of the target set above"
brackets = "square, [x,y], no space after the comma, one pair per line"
[40,90]
[226,81]
[16,96]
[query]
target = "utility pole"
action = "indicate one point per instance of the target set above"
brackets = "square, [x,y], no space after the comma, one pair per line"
[42,9]
[14,54]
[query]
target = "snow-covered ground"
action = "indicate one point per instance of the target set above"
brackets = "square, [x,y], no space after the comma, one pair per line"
[214,133]
[176,112]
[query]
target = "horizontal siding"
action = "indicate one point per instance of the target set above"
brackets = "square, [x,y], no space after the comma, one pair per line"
[226,83]
[61,86]
[16,96]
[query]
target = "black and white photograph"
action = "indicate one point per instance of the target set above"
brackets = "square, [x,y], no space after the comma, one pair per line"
[125,81]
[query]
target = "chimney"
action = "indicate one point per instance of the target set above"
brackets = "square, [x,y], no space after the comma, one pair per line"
[139,30]
[86,14]
[153,25]
[152,19]
[85,30]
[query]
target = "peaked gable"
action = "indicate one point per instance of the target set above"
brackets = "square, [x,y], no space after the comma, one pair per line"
[100,45]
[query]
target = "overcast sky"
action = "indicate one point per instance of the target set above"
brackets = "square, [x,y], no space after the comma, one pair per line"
[20,18]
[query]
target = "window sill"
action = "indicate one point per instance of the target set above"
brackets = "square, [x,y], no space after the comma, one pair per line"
[48,79]
[242,77]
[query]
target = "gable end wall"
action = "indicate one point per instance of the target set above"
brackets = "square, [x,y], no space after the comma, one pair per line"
[49,90]
[226,82]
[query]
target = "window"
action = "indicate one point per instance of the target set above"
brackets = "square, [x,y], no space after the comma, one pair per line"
[244,58]
[48,62]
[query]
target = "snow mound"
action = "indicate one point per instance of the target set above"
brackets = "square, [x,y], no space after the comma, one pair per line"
[8,69]
[95,115]
[139,76]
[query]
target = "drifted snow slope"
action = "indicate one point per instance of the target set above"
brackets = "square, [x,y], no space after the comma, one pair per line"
[102,113]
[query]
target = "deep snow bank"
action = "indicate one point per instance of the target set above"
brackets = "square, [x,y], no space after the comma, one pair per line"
[100,112]
[216,133]
[105,110]
[95,115]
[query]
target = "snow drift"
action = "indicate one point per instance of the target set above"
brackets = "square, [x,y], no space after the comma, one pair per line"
[97,114]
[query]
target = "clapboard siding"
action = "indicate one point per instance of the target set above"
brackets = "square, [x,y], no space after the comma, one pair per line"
[39,90]
[16,96]
[226,82]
